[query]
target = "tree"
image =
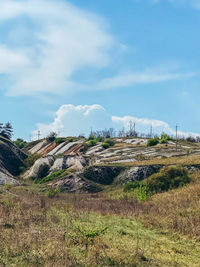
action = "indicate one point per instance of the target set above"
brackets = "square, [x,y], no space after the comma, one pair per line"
[6,130]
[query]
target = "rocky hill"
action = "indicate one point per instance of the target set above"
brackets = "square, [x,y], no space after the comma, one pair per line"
[79,165]
[11,159]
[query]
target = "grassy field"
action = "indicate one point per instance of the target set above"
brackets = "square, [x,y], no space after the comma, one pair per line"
[105,229]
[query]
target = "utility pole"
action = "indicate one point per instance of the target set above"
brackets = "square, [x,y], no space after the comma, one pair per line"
[131,127]
[39,134]
[151,131]
[30,138]
[176,137]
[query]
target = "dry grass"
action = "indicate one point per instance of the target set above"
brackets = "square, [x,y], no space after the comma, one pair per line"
[38,231]
[183,160]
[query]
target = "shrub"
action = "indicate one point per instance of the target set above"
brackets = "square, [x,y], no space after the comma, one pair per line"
[105,145]
[20,143]
[91,137]
[153,141]
[59,140]
[168,178]
[108,143]
[51,193]
[92,142]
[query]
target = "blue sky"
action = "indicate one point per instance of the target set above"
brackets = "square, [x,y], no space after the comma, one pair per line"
[68,65]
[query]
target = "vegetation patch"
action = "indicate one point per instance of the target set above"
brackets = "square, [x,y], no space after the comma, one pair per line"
[53,176]
[168,178]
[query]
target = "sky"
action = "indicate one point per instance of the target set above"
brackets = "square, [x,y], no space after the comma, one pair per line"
[69,65]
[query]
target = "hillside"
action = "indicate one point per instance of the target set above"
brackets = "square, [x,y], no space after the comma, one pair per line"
[108,220]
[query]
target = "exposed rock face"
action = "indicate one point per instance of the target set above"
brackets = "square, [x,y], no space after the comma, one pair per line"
[11,157]
[6,179]
[38,147]
[102,175]
[137,173]
[75,162]
[75,183]
[41,167]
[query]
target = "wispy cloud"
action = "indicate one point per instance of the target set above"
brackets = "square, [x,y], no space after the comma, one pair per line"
[124,80]
[64,39]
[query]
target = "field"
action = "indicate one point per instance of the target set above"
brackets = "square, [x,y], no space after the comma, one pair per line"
[105,229]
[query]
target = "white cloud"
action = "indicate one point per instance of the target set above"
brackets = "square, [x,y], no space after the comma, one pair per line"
[124,80]
[63,40]
[73,120]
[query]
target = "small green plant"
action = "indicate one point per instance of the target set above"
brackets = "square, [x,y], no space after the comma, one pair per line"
[7,186]
[22,169]
[87,236]
[105,145]
[187,151]
[51,193]
[153,141]
[142,193]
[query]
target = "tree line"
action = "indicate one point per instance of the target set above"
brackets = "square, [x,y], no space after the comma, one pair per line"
[6,130]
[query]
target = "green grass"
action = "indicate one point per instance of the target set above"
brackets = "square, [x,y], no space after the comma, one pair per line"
[53,176]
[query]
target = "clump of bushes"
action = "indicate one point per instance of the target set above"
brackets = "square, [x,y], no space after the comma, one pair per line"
[165,138]
[108,143]
[20,143]
[153,141]
[168,178]
[92,142]
[59,140]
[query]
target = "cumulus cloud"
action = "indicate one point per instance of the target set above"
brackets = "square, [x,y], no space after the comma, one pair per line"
[63,40]
[72,120]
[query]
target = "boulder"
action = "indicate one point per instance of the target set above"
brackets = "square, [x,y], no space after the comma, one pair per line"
[41,167]
[75,183]
[59,164]
[75,162]
[104,175]
[137,173]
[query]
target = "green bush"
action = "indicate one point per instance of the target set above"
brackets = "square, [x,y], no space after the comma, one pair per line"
[92,142]
[168,178]
[59,140]
[108,143]
[165,138]
[20,143]
[91,137]
[105,145]
[153,141]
